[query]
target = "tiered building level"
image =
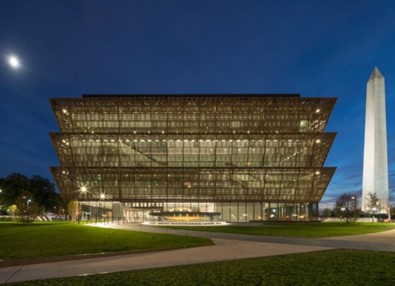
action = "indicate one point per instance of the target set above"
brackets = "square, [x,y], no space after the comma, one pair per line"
[243,157]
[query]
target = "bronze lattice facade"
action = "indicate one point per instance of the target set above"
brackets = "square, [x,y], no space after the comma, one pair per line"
[245,156]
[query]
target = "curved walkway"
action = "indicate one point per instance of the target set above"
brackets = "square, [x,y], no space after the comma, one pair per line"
[381,241]
[227,247]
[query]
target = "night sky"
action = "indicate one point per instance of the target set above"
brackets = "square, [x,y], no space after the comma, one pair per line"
[315,48]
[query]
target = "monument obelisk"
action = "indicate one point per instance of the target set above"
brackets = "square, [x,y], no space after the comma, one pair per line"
[375,162]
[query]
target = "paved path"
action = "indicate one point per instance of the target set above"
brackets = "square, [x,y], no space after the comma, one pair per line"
[382,241]
[227,247]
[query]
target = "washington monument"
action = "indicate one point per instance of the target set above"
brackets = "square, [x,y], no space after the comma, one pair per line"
[375,162]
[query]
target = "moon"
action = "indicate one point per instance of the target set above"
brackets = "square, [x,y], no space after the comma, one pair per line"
[14,62]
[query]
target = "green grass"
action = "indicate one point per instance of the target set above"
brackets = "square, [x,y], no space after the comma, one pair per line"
[309,230]
[332,267]
[57,239]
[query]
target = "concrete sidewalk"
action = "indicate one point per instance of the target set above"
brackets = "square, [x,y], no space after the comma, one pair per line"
[224,249]
[227,247]
[381,241]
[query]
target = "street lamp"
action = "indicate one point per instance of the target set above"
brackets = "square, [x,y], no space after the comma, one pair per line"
[355,207]
[378,210]
[1,202]
[102,198]
[83,189]
[373,211]
[25,206]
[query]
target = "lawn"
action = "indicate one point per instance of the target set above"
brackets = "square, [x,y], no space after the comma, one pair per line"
[331,267]
[57,239]
[308,230]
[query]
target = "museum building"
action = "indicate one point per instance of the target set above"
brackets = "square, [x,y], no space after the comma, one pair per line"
[166,157]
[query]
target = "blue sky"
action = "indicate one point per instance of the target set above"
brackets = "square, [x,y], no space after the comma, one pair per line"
[315,48]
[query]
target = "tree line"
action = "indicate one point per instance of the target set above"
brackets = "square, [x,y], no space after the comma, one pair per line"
[346,208]
[28,197]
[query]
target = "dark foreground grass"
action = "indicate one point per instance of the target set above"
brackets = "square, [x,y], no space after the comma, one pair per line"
[309,230]
[57,239]
[332,267]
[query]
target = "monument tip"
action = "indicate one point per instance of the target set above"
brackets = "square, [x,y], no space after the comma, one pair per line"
[376,74]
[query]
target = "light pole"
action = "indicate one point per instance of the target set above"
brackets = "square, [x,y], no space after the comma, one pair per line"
[82,190]
[102,197]
[355,207]
[0,199]
[343,209]
[373,211]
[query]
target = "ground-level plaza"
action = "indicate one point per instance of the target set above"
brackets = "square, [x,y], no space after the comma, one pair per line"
[227,246]
[231,157]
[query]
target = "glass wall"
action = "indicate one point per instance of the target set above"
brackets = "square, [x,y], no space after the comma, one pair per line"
[253,156]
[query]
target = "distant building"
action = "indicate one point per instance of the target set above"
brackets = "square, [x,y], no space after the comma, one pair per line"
[375,162]
[233,157]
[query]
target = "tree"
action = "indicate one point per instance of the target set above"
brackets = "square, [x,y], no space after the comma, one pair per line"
[27,208]
[392,211]
[68,199]
[73,209]
[42,190]
[373,204]
[12,210]
[327,212]
[11,187]
[2,206]
[44,193]
[346,207]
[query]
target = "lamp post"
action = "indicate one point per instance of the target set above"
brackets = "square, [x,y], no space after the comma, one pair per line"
[96,212]
[82,190]
[102,197]
[0,199]
[373,211]
[343,209]
[355,207]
